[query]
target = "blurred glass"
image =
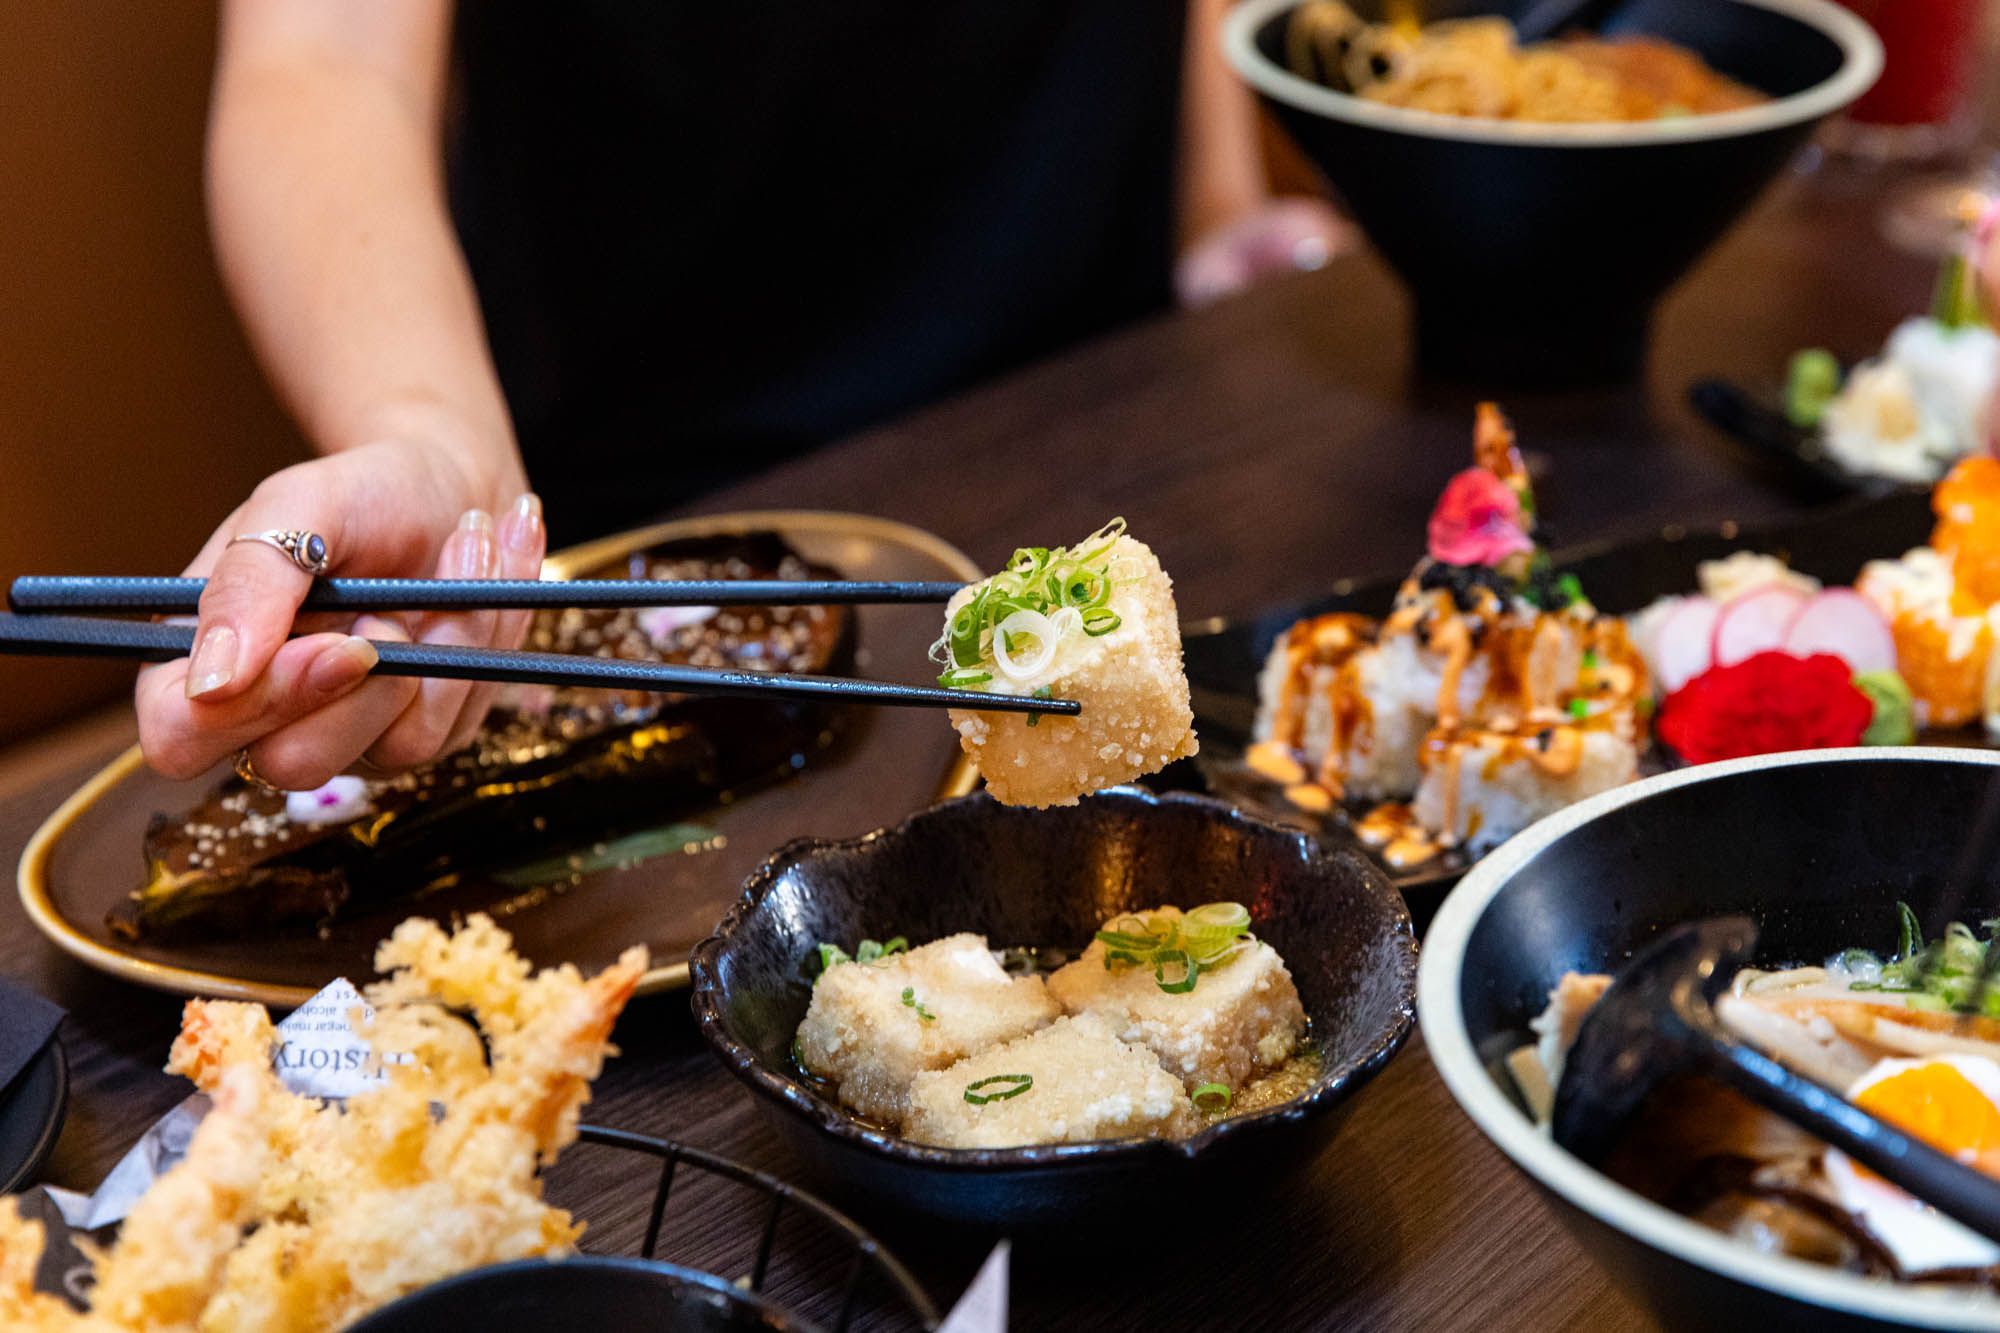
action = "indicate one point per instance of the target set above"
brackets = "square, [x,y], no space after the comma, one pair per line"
[1926,104]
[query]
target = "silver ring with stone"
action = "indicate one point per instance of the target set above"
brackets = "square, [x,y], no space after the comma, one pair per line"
[303,548]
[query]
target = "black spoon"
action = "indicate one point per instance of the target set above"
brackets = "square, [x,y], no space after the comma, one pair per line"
[1657,1019]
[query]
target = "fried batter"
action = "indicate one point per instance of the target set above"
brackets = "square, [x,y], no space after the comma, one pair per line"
[293,1214]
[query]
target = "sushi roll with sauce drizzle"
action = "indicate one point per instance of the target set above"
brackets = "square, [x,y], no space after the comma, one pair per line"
[1493,693]
[1096,623]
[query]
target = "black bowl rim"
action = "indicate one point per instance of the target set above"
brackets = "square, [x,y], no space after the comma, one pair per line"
[676,1275]
[1860,66]
[1439,987]
[1334,1085]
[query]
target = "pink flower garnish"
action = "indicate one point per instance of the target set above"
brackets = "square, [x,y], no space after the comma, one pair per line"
[1477,521]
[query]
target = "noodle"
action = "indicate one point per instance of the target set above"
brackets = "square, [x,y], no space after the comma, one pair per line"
[1474,67]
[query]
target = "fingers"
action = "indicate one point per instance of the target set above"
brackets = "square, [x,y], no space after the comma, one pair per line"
[523,541]
[184,737]
[304,754]
[419,733]
[253,591]
[1285,235]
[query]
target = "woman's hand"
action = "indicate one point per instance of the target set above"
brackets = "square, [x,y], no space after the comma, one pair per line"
[306,708]
[1284,235]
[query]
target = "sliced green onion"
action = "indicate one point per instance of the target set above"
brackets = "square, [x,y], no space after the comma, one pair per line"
[1190,971]
[1198,941]
[965,678]
[968,626]
[1219,916]
[1034,719]
[868,951]
[1579,709]
[1912,931]
[1020,1084]
[1211,1098]
[1039,579]
[911,1001]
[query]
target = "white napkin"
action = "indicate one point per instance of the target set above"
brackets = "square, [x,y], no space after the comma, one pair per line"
[321,1055]
[983,1308]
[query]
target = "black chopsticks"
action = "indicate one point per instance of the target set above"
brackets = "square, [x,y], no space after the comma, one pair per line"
[168,596]
[69,636]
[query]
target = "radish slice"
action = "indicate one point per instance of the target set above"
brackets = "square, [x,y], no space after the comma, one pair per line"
[1681,644]
[1843,622]
[1756,622]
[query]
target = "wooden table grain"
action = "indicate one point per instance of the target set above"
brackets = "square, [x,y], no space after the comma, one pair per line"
[1265,448]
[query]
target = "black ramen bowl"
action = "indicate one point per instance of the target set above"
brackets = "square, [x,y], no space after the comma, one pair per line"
[1536,252]
[1050,878]
[1817,848]
[583,1295]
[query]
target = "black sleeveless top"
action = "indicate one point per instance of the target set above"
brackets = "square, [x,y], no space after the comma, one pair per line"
[709,234]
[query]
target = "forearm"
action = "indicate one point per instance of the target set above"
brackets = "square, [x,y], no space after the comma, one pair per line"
[1221,158]
[327,203]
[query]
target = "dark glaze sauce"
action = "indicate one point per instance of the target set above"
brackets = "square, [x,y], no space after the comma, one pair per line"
[1526,710]
[551,768]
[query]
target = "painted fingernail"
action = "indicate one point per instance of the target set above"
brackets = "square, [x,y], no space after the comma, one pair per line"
[213,664]
[474,556]
[521,530]
[341,667]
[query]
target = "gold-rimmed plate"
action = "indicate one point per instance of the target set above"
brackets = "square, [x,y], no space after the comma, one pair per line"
[891,761]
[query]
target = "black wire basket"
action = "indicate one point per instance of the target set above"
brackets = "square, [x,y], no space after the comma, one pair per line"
[812,1267]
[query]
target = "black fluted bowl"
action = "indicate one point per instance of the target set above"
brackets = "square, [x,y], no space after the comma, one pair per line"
[1535,253]
[584,1294]
[1050,878]
[1817,848]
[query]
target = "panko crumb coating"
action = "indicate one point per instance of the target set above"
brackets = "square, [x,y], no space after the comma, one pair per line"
[1087,1085]
[291,1213]
[1136,716]
[861,1034]
[1241,1019]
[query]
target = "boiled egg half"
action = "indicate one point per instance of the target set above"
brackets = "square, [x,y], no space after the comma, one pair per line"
[1951,1102]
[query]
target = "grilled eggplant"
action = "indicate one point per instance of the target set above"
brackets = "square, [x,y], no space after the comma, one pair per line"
[552,769]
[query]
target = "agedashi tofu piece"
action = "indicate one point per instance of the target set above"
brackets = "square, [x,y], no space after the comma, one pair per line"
[1071,1082]
[1136,715]
[868,1037]
[1241,1018]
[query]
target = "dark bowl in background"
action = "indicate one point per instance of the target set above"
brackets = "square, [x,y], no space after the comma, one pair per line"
[1050,878]
[1535,253]
[1817,848]
[583,1294]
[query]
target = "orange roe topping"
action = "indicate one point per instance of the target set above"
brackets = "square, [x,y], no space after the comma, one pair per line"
[1967,503]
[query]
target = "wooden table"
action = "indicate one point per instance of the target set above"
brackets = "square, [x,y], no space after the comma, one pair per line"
[1265,448]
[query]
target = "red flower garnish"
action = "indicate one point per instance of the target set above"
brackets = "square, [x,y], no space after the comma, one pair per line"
[1763,705]
[1477,521]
